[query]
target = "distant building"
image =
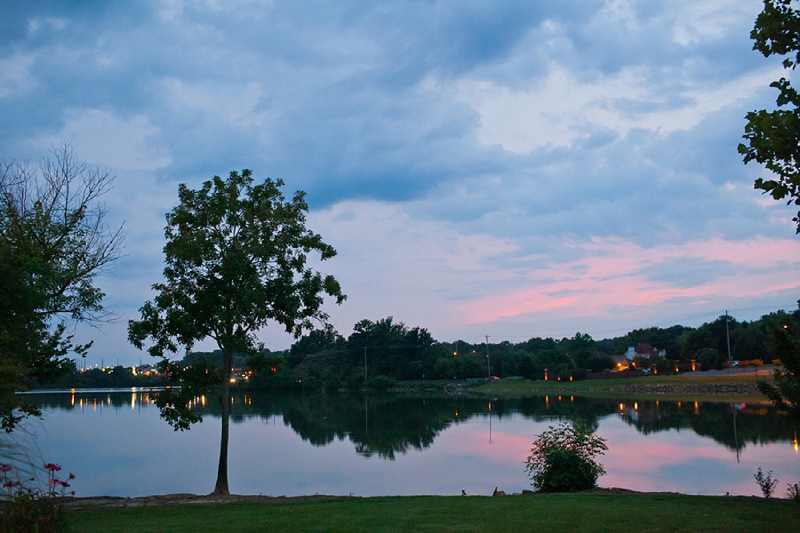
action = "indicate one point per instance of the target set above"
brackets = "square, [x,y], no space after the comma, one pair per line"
[644,350]
[145,370]
[621,362]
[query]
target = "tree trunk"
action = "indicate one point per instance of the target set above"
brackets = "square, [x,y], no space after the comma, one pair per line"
[221,486]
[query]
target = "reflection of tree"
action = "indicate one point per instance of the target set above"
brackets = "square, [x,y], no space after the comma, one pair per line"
[732,425]
[543,408]
[385,425]
[380,425]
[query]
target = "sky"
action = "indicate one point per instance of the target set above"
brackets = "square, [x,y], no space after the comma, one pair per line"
[507,169]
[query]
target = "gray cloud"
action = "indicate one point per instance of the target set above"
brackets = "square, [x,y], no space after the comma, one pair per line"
[520,132]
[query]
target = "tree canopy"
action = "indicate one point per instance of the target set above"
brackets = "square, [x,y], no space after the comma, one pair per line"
[53,242]
[784,390]
[773,137]
[236,259]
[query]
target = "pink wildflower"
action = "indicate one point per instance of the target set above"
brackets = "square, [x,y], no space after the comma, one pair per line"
[42,519]
[53,467]
[71,475]
[5,468]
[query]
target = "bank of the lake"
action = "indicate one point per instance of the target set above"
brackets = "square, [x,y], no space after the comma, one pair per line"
[725,386]
[601,511]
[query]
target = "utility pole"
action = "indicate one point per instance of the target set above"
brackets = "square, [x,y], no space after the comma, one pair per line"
[488,366]
[728,334]
[366,379]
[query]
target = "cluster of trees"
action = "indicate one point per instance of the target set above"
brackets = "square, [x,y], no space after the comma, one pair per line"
[236,256]
[53,243]
[388,350]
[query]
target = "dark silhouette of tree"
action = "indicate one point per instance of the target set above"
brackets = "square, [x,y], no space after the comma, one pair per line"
[784,391]
[773,137]
[54,241]
[236,259]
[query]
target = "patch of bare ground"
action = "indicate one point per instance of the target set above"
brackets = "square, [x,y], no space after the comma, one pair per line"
[102,502]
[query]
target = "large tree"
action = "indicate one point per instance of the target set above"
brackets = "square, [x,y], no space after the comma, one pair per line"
[53,242]
[784,389]
[236,258]
[773,137]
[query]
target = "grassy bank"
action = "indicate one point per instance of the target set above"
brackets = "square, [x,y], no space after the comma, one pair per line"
[601,512]
[694,386]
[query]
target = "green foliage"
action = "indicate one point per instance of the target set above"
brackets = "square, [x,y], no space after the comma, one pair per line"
[23,508]
[562,458]
[765,482]
[53,243]
[784,390]
[382,383]
[793,491]
[236,257]
[772,136]
[710,358]
[324,359]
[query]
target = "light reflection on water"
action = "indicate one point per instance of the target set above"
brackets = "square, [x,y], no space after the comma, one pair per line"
[117,445]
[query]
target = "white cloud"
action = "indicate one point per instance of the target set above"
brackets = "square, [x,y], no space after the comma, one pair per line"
[102,137]
[699,22]
[562,107]
[15,76]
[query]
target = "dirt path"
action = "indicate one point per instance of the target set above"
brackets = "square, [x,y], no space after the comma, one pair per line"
[182,499]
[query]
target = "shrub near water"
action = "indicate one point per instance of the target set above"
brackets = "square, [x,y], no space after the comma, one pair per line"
[766,482]
[23,508]
[563,458]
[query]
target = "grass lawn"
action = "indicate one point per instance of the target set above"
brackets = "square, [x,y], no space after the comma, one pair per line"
[615,387]
[585,512]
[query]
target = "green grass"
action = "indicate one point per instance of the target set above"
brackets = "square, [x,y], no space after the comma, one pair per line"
[595,512]
[615,387]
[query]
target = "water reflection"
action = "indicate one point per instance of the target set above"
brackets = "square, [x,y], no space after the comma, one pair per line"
[385,425]
[411,444]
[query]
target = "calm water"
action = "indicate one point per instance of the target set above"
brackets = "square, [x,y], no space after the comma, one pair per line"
[117,445]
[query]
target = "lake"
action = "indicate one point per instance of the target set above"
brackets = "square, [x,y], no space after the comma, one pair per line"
[370,445]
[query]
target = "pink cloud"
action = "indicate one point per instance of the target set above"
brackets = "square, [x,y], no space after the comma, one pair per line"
[611,275]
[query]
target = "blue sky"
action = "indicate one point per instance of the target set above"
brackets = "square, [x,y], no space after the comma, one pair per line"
[483,168]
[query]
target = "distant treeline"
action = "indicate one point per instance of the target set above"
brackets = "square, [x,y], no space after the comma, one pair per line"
[383,351]
[116,377]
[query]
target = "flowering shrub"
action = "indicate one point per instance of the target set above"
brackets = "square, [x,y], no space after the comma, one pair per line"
[23,508]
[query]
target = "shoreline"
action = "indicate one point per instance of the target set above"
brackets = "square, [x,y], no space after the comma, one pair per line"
[188,499]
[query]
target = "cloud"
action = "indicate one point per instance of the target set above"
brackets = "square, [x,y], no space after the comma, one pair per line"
[472,162]
[623,281]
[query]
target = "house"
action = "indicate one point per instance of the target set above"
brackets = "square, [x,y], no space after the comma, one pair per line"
[644,350]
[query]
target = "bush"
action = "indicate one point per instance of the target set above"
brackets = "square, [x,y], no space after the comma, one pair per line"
[382,383]
[28,509]
[766,482]
[563,458]
[794,492]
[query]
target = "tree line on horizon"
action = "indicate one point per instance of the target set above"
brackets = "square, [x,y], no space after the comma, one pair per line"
[388,350]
